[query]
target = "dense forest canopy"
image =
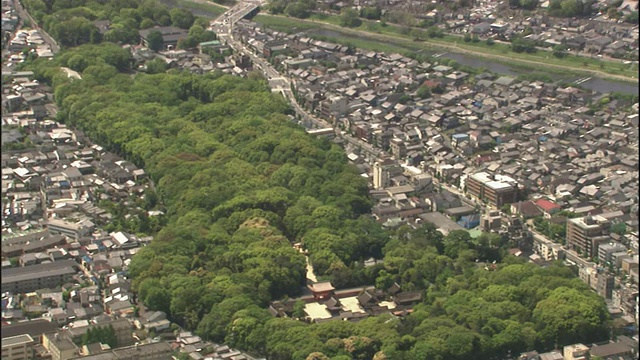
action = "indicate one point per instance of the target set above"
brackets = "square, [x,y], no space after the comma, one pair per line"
[240,183]
[77,22]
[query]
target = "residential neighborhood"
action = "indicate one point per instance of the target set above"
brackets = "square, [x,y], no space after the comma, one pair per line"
[553,168]
[481,152]
[599,36]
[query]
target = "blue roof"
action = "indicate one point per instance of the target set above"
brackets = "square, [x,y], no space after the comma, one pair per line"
[87,259]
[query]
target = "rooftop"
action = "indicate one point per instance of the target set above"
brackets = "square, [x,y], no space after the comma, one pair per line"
[38,271]
[317,311]
[16,340]
[321,287]
[34,328]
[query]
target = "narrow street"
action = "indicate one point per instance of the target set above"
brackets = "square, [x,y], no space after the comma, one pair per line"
[280,81]
[22,14]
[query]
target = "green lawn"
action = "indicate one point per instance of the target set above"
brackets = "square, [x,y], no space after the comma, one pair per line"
[285,24]
[212,8]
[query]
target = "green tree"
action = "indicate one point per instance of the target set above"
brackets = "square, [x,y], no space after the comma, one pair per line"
[349,17]
[156,66]
[371,12]
[158,298]
[519,45]
[424,92]
[155,41]
[568,316]
[147,23]
[299,9]
[560,51]
[298,309]
[181,18]
[100,334]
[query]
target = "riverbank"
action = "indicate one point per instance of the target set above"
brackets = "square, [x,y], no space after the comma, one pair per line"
[543,61]
[396,43]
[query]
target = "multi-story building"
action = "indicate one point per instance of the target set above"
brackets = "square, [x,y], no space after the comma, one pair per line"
[549,251]
[589,276]
[584,234]
[17,347]
[34,328]
[72,230]
[495,190]
[59,347]
[576,352]
[605,285]
[383,171]
[605,251]
[34,277]
[152,351]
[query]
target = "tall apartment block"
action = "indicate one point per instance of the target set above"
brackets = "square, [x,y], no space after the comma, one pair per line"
[495,190]
[586,233]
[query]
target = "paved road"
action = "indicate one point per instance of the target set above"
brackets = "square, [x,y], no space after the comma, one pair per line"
[23,14]
[570,254]
[224,24]
[457,49]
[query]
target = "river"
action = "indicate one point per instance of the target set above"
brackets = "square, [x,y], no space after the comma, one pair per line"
[596,84]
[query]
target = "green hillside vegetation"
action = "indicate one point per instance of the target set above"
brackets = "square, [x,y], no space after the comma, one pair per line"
[240,183]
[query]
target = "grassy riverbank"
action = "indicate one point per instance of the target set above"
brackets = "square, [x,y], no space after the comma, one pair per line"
[210,7]
[375,32]
[376,36]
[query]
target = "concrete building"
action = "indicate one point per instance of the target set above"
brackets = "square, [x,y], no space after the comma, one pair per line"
[584,234]
[617,350]
[495,190]
[34,277]
[383,171]
[17,347]
[59,347]
[549,251]
[72,230]
[589,276]
[605,285]
[576,352]
[152,351]
[34,328]
[605,251]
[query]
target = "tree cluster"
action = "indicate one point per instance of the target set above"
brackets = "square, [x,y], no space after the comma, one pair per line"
[101,334]
[524,4]
[295,8]
[197,35]
[371,12]
[71,23]
[520,45]
[571,8]
[349,17]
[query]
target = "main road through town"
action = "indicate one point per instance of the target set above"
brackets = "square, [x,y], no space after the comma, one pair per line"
[223,26]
